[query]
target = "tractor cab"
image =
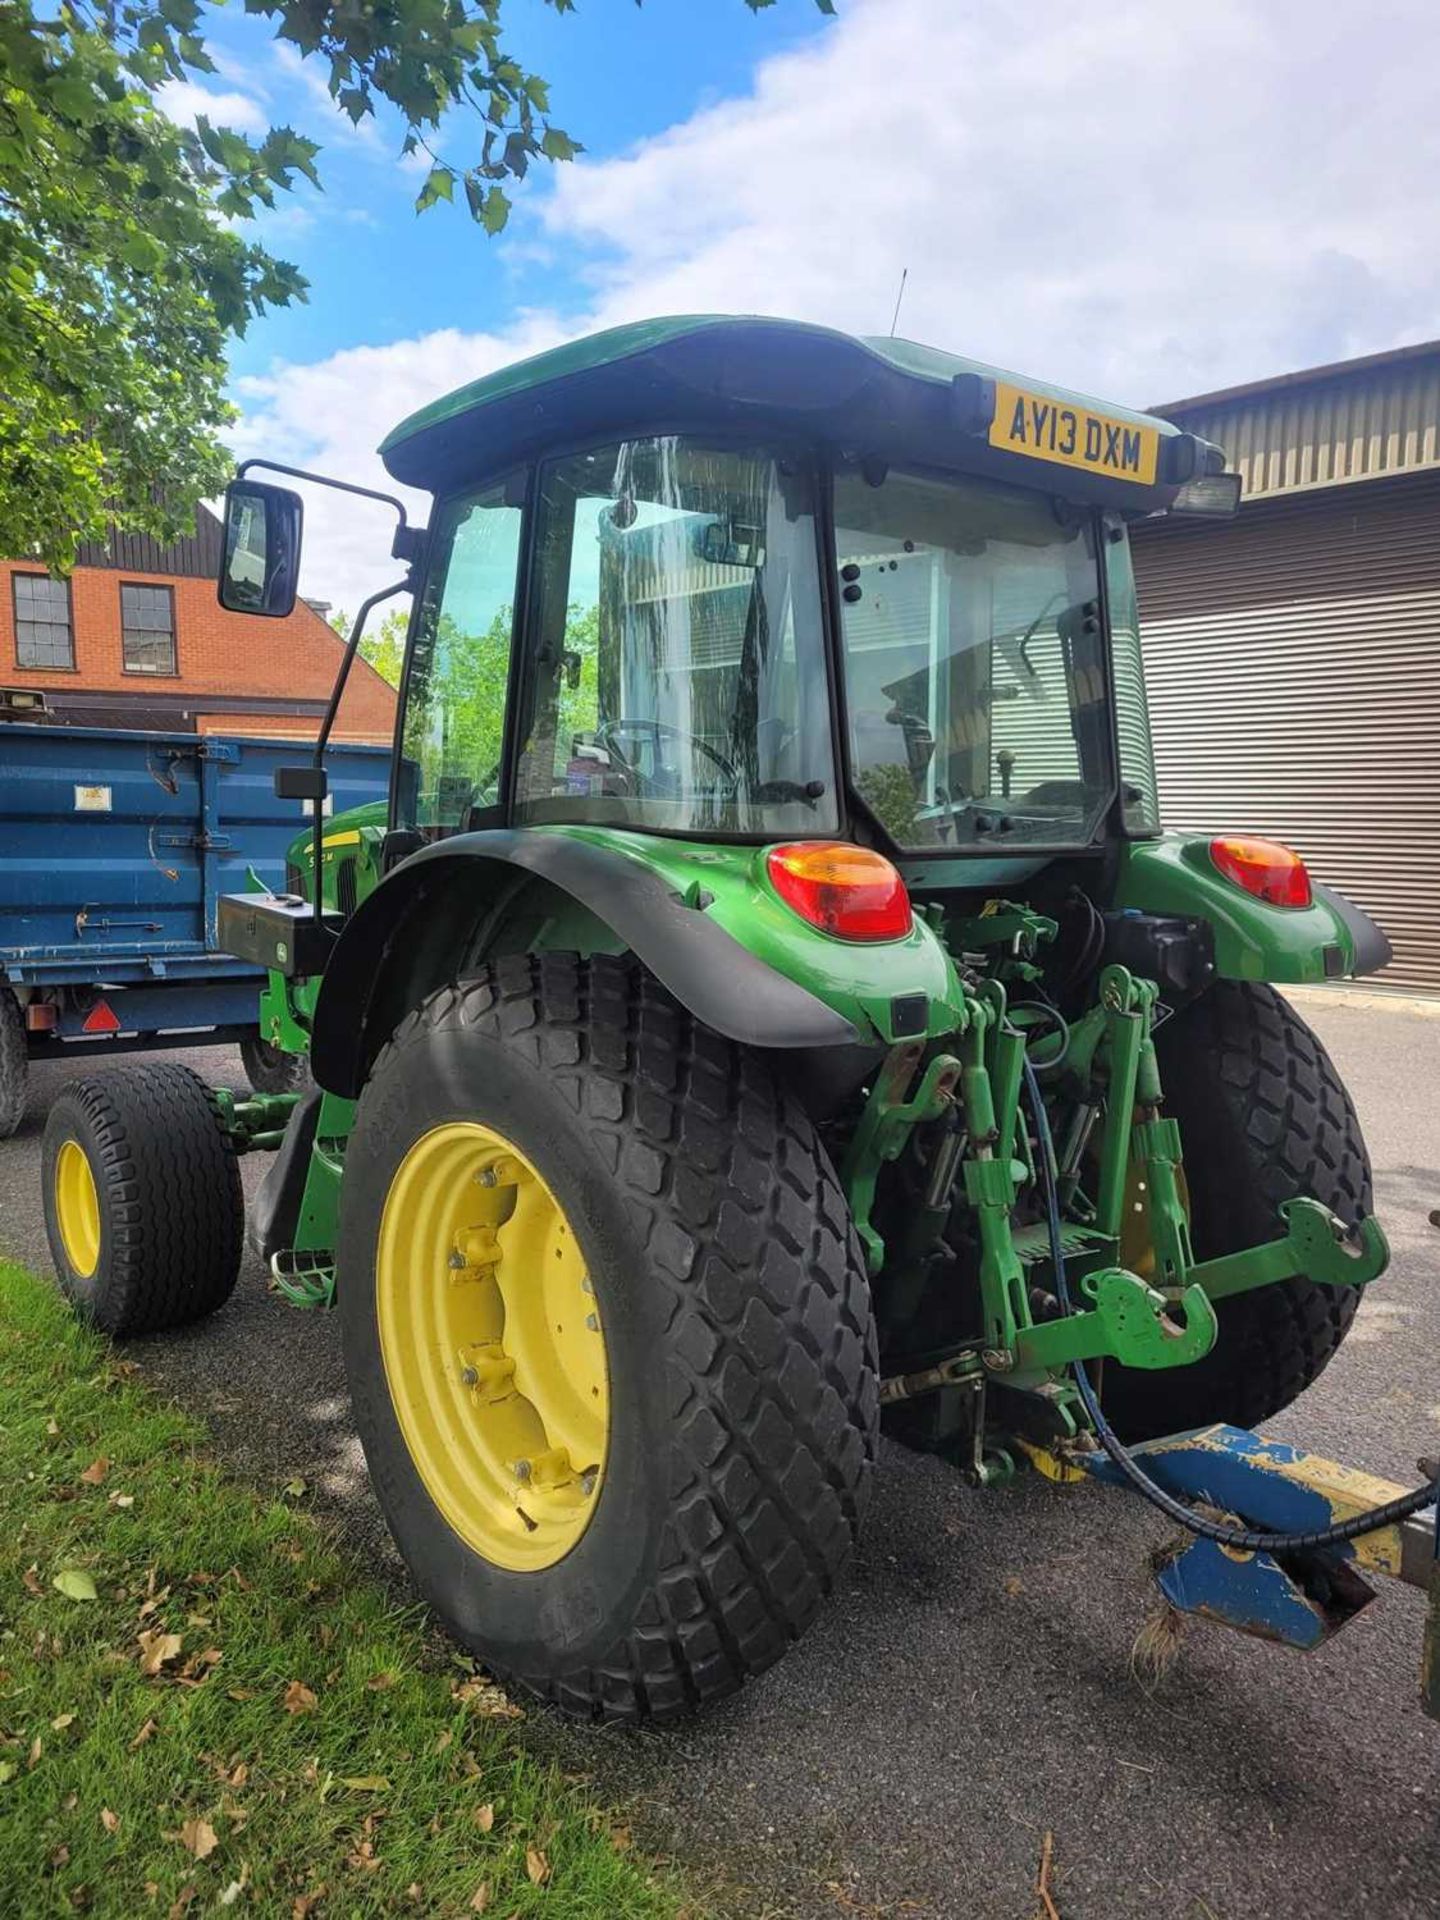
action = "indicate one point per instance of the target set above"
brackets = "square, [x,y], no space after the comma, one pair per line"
[817,586]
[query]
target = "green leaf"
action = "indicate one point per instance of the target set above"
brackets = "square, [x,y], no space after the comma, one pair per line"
[439,185]
[495,210]
[75,1584]
[559,146]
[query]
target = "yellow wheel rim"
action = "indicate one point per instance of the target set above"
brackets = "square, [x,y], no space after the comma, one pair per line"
[494,1354]
[77,1209]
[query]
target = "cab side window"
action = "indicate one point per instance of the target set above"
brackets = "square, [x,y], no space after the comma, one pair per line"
[453,732]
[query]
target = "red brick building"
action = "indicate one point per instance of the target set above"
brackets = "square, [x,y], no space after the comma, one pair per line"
[137,638]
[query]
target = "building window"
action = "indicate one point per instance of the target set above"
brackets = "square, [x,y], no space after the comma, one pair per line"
[43,636]
[147,625]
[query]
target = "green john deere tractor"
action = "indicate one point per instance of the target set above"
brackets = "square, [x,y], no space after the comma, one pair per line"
[768,1010]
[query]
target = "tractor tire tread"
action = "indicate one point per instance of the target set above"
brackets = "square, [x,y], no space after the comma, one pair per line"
[1264,1116]
[14,1063]
[769,1364]
[170,1196]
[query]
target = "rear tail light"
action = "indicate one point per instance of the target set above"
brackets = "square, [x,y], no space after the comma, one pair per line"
[850,892]
[1262,867]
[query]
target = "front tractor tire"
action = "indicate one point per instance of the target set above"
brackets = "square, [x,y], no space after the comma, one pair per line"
[143,1205]
[1263,1117]
[269,1069]
[608,1337]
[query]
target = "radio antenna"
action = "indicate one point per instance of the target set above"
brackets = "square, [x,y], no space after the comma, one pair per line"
[895,317]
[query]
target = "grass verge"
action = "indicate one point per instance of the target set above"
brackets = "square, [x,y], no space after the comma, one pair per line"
[204,1706]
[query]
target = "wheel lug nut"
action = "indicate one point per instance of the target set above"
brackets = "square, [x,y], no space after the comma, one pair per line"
[487,1177]
[592,1323]
[469,1377]
[522,1469]
[456,1261]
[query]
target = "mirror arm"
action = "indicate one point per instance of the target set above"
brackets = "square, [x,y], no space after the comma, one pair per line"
[322,738]
[406,544]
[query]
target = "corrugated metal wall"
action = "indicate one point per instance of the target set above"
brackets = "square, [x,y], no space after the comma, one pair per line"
[1360,425]
[1293,664]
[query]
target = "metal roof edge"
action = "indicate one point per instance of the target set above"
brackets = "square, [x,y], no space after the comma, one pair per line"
[1304,376]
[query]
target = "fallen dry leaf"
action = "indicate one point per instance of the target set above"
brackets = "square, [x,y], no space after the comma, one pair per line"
[484,1817]
[52,1427]
[37,1747]
[299,1698]
[380,1682]
[158,1649]
[109,1821]
[537,1865]
[61,1721]
[146,1732]
[199,1838]
[199,1666]
[366,1783]
[480,1899]
[1014,1586]
[486,1698]
[181,1902]
[122,1499]
[94,1474]
[33,1582]
[620,1839]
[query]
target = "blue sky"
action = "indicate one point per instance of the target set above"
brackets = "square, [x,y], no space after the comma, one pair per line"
[1141,201]
[618,73]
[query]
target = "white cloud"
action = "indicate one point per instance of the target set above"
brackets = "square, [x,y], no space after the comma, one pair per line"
[183,100]
[1140,201]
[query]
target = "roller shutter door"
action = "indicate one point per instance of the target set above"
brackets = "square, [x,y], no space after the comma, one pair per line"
[1293,664]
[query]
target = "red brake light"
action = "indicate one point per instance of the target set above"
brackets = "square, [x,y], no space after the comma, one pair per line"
[1271,872]
[850,892]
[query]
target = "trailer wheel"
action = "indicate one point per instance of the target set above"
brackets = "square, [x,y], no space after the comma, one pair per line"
[270,1069]
[608,1337]
[143,1204]
[1263,1117]
[14,1063]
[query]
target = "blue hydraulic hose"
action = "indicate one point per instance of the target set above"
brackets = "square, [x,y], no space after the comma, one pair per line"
[1247,1539]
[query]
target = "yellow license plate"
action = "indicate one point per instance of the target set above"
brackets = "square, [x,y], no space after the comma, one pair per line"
[1072,436]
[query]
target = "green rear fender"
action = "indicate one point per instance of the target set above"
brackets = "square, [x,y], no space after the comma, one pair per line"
[703,918]
[1328,940]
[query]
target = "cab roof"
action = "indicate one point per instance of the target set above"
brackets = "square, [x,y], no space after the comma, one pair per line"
[894,400]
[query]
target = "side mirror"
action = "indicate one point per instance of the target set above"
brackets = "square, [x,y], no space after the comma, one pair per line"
[260,567]
[729,543]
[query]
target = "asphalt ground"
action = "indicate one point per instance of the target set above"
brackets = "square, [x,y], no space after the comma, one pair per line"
[971,1687]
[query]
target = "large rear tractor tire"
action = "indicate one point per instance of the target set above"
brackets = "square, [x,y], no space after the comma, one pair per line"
[1263,1117]
[143,1203]
[608,1337]
[14,1063]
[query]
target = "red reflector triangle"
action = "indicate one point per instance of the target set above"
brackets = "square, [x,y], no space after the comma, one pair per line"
[100,1019]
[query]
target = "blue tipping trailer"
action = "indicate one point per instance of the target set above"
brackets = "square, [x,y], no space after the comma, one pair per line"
[115,846]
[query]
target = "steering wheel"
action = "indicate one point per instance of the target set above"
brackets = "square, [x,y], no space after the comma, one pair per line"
[606,733]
